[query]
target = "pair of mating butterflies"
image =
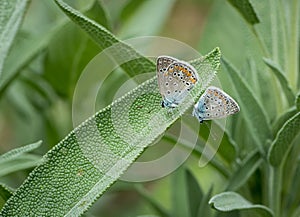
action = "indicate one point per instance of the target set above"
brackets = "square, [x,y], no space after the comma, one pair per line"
[176,78]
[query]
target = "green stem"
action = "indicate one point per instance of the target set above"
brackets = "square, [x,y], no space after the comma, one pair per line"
[294,46]
[275,186]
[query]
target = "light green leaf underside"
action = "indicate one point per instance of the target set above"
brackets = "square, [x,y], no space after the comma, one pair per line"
[246,9]
[11,15]
[229,201]
[282,80]
[284,141]
[105,39]
[15,153]
[94,155]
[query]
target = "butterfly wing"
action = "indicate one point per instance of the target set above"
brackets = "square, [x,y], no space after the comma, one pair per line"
[179,78]
[214,104]
[162,64]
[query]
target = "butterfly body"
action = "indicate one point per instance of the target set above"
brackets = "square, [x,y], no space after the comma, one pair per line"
[175,79]
[214,104]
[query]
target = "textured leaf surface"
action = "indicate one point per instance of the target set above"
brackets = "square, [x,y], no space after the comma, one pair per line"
[229,201]
[298,102]
[15,153]
[251,109]
[246,9]
[284,141]
[93,156]
[105,39]
[11,15]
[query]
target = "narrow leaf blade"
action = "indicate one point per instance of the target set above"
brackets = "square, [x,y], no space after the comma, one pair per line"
[240,177]
[282,80]
[12,12]
[253,113]
[15,153]
[105,39]
[246,10]
[229,201]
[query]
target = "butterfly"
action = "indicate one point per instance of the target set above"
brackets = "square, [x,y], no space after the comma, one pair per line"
[175,79]
[214,104]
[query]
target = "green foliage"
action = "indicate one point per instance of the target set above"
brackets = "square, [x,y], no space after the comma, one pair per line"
[229,201]
[42,59]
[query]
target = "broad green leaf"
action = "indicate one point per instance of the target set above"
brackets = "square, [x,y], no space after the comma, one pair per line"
[246,9]
[229,201]
[179,194]
[282,80]
[15,153]
[105,39]
[142,21]
[5,194]
[244,172]
[93,156]
[155,204]
[252,112]
[12,12]
[283,141]
[195,194]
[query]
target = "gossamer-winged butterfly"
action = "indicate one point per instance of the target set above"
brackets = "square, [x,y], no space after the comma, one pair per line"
[214,104]
[175,79]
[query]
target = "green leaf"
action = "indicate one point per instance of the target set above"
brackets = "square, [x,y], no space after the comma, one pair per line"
[180,197]
[15,153]
[252,112]
[25,52]
[22,162]
[246,9]
[105,39]
[244,172]
[204,208]
[229,201]
[94,155]
[142,21]
[283,118]
[18,159]
[5,194]
[195,193]
[12,12]
[282,80]
[283,142]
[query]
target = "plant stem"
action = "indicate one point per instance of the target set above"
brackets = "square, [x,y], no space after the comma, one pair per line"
[275,186]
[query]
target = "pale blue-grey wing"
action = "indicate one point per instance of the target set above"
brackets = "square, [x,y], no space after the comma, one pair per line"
[179,79]
[214,104]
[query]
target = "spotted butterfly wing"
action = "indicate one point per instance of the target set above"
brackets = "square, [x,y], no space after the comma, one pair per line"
[214,104]
[175,80]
